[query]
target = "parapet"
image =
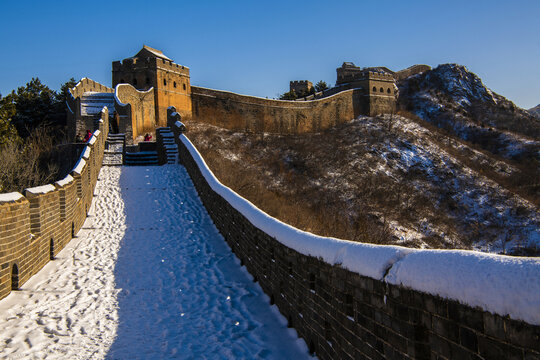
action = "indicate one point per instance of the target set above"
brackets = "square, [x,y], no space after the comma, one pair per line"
[88,85]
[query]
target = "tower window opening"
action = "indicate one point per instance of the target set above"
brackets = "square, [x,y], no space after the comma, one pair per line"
[184,86]
[388,91]
[174,83]
[381,90]
[374,89]
[51,250]
[165,82]
[14,277]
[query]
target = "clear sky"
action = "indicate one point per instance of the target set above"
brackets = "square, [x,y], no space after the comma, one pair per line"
[256,47]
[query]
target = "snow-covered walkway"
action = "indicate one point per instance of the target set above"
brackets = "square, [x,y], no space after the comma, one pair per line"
[148,277]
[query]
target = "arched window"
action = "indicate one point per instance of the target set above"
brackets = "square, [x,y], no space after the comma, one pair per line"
[164,80]
[374,89]
[134,81]
[381,90]
[184,86]
[388,91]
[15,277]
[174,83]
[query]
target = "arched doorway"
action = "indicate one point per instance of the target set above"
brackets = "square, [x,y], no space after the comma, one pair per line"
[15,277]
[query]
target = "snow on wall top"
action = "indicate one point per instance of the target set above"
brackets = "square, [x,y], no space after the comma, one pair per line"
[79,167]
[499,284]
[86,153]
[12,196]
[43,189]
[365,259]
[93,139]
[92,103]
[67,180]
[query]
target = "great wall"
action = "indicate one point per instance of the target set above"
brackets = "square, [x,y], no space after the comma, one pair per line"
[346,300]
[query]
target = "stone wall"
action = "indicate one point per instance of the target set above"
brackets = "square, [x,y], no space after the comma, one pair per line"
[136,109]
[410,71]
[241,112]
[77,123]
[344,315]
[36,226]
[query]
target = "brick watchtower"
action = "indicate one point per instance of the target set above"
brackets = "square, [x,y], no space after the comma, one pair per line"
[151,68]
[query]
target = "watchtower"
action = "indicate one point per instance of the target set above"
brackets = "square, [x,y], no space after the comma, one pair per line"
[300,86]
[150,68]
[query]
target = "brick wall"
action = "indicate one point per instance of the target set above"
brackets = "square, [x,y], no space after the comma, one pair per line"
[36,226]
[344,315]
[241,112]
[142,109]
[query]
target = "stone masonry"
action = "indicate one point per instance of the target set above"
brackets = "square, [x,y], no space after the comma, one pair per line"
[36,226]
[343,315]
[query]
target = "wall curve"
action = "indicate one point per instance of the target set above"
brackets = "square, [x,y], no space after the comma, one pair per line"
[242,112]
[141,104]
[350,305]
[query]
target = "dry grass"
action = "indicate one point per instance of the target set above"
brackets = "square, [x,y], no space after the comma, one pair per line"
[33,163]
[346,183]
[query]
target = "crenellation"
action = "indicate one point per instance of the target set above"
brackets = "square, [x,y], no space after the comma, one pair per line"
[44,217]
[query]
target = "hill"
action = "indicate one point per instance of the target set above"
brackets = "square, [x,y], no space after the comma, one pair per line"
[455,99]
[384,180]
[535,111]
[456,168]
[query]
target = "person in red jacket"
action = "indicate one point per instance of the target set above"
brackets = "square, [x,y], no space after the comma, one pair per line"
[147,137]
[88,135]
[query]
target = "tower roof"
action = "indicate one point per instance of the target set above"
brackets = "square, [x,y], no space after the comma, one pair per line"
[147,51]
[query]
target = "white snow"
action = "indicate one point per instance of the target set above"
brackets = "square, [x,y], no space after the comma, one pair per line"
[12,196]
[499,284]
[470,277]
[43,189]
[79,166]
[86,153]
[365,259]
[93,139]
[148,277]
[67,180]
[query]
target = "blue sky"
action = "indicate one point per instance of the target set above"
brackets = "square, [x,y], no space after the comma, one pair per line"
[256,47]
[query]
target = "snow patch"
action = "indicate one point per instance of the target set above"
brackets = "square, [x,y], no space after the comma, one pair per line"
[499,284]
[43,189]
[79,167]
[65,181]
[12,196]
[86,153]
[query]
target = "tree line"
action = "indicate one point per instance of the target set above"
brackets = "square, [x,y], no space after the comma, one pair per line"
[32,128]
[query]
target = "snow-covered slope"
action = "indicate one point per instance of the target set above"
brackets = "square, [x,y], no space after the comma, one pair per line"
[384,180]
[455,99]
[535,111]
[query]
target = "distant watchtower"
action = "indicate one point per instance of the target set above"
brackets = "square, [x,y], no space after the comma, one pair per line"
[151,68]
[300,86]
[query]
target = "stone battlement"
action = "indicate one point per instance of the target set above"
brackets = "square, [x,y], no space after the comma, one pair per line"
[352,314]
[35,226]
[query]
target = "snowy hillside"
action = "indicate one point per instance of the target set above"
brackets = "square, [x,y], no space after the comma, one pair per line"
[384,180]
[455,99]
[535,110]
